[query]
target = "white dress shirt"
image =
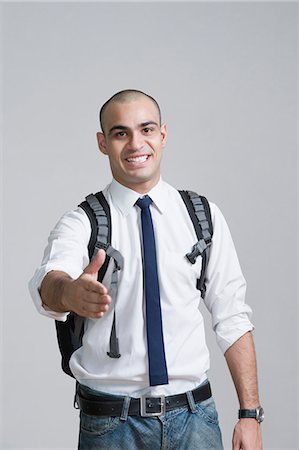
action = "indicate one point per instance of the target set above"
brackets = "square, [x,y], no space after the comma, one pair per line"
[187,355]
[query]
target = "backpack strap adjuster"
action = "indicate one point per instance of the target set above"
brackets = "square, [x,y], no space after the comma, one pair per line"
[199,212]
[197,250]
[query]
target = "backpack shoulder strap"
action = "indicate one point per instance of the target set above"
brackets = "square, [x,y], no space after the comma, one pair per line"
[200,214]
[70,332]
[98,210]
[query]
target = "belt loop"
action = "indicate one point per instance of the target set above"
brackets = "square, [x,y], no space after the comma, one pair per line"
[125,408]
[191,401]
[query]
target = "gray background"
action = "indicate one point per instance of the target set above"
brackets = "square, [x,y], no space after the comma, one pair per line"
[225,75]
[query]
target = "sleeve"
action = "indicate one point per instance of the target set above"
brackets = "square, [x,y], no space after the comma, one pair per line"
[67,251]
[226,286]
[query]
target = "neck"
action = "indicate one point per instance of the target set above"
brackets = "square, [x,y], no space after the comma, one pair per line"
[140,188]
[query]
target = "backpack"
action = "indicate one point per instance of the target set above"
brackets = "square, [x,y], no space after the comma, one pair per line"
[70,333]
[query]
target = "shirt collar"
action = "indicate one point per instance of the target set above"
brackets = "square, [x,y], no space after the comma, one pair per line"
[124,198]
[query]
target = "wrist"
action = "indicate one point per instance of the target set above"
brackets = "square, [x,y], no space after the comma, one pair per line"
[65,292]
[254,413]
[54,290]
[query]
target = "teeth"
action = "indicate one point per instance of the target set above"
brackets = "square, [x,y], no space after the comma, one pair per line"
[138,159]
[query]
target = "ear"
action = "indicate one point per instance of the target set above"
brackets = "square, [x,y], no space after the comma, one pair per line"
[102,142]
[164,134]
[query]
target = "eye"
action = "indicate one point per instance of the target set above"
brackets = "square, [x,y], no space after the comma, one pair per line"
[120,134]
[148,130]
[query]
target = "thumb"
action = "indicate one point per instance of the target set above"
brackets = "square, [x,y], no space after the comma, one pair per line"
[96,263]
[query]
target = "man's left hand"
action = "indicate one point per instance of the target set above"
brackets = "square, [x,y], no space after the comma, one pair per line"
[247,435]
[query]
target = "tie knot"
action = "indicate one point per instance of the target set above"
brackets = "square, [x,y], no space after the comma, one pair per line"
[144,202]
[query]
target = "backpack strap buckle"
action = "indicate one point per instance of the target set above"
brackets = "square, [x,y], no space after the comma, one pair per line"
[198,249]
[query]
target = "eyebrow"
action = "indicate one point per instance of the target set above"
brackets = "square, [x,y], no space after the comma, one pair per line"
[124,127]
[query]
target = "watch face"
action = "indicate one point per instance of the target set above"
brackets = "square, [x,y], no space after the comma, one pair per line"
[260,415]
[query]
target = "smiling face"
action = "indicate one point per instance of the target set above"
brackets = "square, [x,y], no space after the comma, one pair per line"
[134,140]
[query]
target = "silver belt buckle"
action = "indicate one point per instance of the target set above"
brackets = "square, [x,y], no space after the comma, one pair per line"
[145,406]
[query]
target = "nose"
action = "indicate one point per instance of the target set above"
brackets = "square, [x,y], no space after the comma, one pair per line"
[136,141]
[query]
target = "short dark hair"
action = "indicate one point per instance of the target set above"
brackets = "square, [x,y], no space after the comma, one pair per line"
[123,97]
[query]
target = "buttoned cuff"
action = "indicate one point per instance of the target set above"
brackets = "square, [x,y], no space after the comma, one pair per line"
[34,286]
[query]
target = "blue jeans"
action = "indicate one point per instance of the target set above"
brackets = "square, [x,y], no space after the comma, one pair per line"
[179,429]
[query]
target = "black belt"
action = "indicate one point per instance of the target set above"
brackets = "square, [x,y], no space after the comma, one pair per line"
[145,406]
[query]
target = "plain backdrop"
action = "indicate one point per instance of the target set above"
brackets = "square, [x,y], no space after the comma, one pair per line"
[226,77]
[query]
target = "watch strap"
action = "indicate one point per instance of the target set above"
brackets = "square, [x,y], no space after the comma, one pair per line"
[247,414]
[257,414]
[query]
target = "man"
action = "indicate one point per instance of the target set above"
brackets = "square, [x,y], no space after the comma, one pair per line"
[133,138]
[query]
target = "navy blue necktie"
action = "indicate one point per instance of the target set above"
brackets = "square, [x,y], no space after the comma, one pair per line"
[155,342]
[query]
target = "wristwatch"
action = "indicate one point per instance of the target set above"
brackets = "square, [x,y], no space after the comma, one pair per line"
[257,414]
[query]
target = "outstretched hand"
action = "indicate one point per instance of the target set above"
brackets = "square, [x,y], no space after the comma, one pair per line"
[86,296]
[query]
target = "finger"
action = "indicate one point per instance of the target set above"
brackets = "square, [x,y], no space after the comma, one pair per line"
[96,263]
[95,287]
[89,283]
[235,441]
[236,446]
[95,299]
[88,309]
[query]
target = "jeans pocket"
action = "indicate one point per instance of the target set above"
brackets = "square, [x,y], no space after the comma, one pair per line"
[97,425]
[207,409]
